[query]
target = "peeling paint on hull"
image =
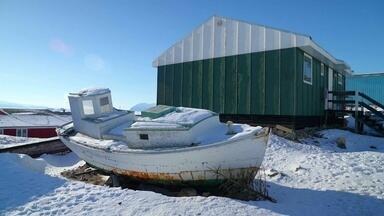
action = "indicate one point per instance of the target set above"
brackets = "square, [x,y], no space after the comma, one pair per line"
[186,176]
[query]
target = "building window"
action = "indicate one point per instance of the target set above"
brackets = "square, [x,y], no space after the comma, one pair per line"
[1,131]
[88,107]
[339,79]
[307,69]
[21,132]
[322,69]
[104,105]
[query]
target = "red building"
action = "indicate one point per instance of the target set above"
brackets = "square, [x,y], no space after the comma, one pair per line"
[31,124]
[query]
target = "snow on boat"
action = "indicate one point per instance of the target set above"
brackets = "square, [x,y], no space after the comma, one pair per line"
[165,144]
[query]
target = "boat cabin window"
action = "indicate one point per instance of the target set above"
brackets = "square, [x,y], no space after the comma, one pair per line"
[88,107]
[144,136]
[21,132]
[307,69]
[104,104]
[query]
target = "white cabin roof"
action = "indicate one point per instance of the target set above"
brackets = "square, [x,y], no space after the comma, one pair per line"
[92,91]
[221,36]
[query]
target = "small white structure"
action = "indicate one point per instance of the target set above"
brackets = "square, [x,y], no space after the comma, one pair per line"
[93,113]
[181,127]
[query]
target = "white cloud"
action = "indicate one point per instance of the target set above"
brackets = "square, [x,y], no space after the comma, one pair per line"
[94,62]
[59,46]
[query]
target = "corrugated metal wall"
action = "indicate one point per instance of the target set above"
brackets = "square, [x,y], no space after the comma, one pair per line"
[372,85]
[261,83]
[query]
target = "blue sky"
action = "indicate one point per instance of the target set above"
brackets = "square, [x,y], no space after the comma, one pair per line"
[50,48]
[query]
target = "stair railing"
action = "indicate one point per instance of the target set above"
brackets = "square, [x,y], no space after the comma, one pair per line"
[357,103]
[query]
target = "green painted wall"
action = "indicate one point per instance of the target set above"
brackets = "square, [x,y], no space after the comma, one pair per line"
[262,83]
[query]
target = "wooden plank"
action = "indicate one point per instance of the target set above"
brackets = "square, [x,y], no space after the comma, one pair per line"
[35,149]
[230,106]
[187,84]
[207,84]
[177,84]
[243,84]
[161,85]
[287,86]
[218,84]
[285,129]
[197,78]
[169,85]
[258,83]
[272,82]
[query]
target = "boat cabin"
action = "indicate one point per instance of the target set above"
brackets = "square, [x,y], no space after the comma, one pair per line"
[93,113]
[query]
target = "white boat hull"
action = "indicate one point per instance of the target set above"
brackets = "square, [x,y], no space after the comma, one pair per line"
[227,159]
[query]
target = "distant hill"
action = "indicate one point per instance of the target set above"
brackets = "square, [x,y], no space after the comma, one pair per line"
[9,105]
[142,106]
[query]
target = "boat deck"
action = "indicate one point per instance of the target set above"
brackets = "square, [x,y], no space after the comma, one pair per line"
[113,140]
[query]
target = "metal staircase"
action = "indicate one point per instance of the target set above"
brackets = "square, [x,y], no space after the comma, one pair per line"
[365,110]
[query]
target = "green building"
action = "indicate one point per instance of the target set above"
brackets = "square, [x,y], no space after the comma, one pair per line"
[250,73]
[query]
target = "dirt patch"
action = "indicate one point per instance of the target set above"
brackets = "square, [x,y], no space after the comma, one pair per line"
[299,135]
[86,174]
[247,188]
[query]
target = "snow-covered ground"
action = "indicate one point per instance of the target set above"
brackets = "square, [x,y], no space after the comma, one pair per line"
[313,177]
[9,141]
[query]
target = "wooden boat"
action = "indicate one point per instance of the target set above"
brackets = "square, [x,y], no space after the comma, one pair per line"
[219,152]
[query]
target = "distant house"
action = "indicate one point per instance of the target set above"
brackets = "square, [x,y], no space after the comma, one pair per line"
[29,124]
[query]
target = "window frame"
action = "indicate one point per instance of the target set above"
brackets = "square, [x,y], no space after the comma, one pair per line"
[309,57]
[102,99]
[339,78]
[86,111]
[105,108]
[322,69]
[19,132]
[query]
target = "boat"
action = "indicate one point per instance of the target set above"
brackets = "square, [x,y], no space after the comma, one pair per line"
[163,144]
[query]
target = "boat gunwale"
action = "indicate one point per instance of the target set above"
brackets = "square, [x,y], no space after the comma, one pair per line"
[256,135]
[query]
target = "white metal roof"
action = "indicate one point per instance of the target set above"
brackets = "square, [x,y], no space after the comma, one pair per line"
[220,36]
[357,74]
[33,120]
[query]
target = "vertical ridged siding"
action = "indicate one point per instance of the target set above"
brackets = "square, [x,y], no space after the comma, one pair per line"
[261,83]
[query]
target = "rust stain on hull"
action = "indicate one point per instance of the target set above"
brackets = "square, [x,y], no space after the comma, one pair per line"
[151,176]
[146,175]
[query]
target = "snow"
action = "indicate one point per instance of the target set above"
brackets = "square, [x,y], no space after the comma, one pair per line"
[119,130]
[313,177]
[155,125]
[93,91]
[10,141]
[185,116]
[33,120]
[180,118]
[351,125]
